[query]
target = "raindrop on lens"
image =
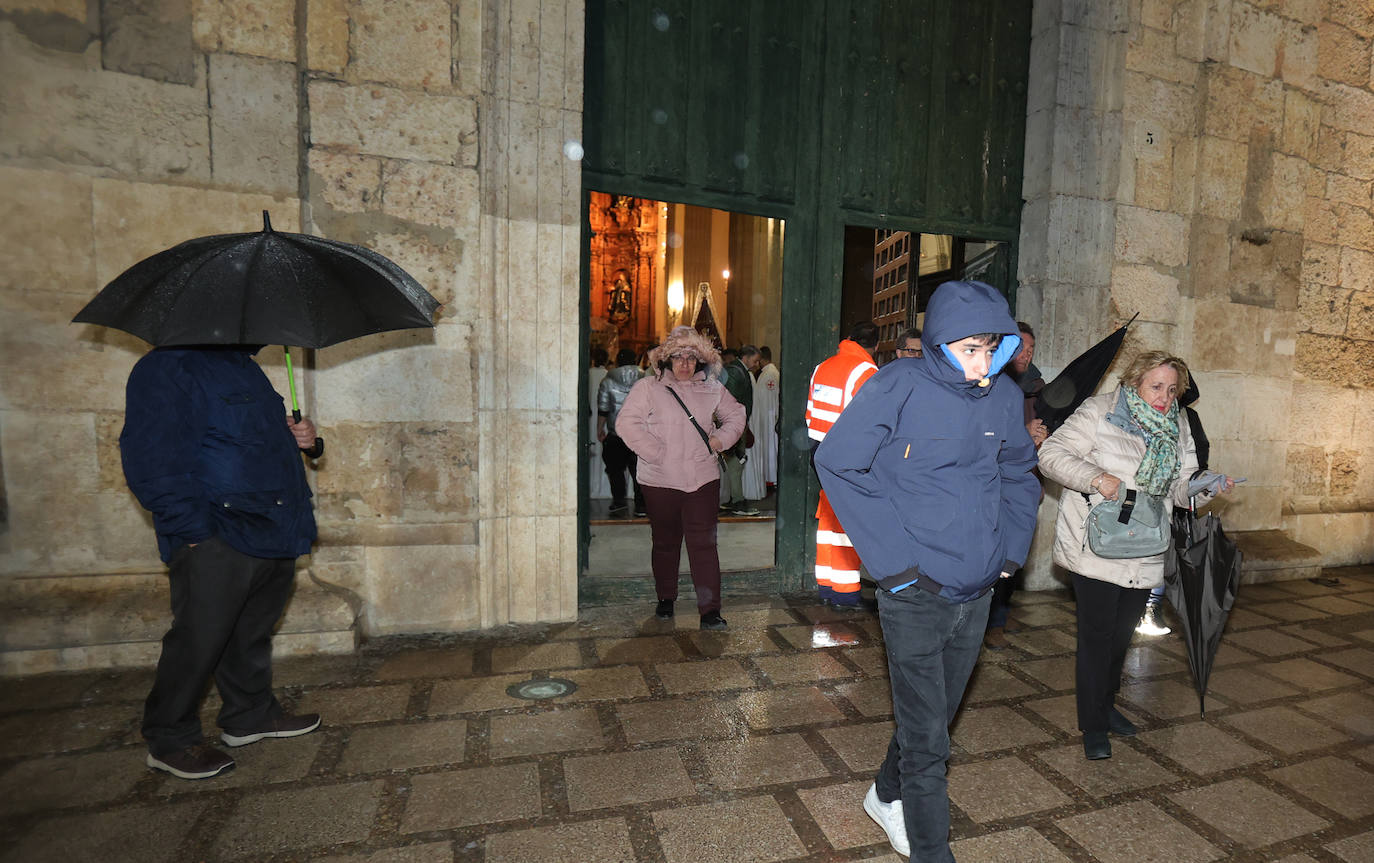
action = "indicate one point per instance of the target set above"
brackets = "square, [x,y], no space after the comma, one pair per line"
[741,161]
[573,150]
[659,116]
[661,22]
[674,240]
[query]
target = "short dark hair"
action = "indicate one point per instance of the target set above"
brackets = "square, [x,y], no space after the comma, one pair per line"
[731,351]
[992,340]
[625,357]
[767,353]
[599,356]
[909,333]
[865,333]
[746,351]
[1025,328]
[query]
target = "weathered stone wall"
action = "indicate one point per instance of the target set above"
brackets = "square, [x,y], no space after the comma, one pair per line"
[1208,164]
[430,130]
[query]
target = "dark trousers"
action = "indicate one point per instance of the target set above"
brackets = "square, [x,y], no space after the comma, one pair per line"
[225,605]
[618,459]
[1107,617]
[691,515]
[932,646]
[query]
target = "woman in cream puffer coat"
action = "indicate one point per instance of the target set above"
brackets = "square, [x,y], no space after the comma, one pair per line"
[1130,438]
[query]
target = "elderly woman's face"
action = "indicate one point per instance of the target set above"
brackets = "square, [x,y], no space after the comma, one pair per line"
[1159,387]
[684,365]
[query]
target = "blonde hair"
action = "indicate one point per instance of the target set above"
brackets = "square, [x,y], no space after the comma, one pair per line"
[1148,360]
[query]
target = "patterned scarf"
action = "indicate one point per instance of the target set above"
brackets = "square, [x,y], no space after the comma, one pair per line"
[1159,468]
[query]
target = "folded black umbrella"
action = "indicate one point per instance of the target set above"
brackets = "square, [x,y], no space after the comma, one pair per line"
[1201,576]
[1062,396]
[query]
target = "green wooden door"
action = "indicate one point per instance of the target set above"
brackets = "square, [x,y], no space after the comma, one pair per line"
[905,114]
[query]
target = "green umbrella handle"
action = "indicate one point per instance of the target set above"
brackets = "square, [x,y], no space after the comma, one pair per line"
[316,449]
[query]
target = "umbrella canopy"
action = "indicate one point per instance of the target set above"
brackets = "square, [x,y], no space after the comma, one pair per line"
[1201,575]
[1062,396]
[261,288]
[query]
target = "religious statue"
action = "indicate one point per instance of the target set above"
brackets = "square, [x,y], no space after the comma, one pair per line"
[620,300]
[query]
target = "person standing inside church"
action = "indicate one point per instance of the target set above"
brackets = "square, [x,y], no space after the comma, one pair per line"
[619,458]
[738,377]
[761,470]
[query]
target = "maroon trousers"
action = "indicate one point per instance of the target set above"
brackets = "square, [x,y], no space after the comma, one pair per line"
[691,515]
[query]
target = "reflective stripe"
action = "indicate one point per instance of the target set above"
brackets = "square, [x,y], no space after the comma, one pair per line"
[822,413]
[851,385]
[833,537]
[827,394]
[815,434]
[831,577]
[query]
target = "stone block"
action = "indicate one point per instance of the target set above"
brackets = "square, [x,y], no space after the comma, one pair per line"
[386,122]
[1216,29]
[253,123]
[1322,415]
[1276,341]
[1151,52]
[1307,469]
[1238,101]
[1358,156]
[402,43]
[1150,236]
[326,36]
[1085,152]
[1355,227]
[1221,177]
[1042,80]
[1323,310]
[1184,170]
[1357,270]
[1334,359]
[1255,39]
[1344,472]
[1188,24]
[1154,184]
[429,194]
[150,38]
[441,264]
[1172,105]
[1262,463]
[1080,234]
[263,28]
[408,375]
[344,182]
[1347,108]
[1301,122]
[1220,408]
[1321,264]
[1282,193]
[1265,270]
[1298,61]
[1320,218]
[1348,190]
[1344,55]
[135,220]
[1353,14]
[48,245]
[420,589]
[467,45]
[1227,336]
[1145,290]
[1035,175]
[1361,324]
[134,126]
[1089,61]
[1344,539]
[1209,259]
[1265,407]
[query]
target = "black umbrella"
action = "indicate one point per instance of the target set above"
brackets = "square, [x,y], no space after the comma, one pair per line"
[1062,396]
[261,288]
[1201,575]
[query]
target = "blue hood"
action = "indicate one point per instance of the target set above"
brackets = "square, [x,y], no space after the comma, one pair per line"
[958,310]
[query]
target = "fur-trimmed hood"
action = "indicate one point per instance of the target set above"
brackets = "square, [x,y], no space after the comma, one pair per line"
[685,340]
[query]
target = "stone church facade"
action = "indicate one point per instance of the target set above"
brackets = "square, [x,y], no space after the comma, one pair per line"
[1206,163]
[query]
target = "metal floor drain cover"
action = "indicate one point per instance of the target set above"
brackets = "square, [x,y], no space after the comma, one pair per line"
[538,690]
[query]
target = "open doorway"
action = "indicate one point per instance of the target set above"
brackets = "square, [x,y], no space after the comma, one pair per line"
[653,265]
[889,276]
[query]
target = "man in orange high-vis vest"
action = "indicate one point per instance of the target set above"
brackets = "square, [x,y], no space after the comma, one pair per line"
[833,385]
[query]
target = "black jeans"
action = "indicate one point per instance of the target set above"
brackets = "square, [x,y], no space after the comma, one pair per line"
[225,605]
[932,646]
[619,458]
[675,516]
[1107,617]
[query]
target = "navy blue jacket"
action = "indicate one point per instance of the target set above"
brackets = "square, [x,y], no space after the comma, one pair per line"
[930,474]
[206,450]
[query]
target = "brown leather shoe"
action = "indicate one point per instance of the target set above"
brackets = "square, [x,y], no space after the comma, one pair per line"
[286,725]
[995,639]
[194,762]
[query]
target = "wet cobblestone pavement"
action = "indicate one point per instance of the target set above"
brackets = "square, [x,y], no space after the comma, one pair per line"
[756,744]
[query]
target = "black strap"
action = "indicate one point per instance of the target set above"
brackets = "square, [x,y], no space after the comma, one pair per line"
[1127,505]
[704,437]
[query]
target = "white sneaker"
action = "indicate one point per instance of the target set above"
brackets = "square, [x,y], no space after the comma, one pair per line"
[889,817]
[1150,624]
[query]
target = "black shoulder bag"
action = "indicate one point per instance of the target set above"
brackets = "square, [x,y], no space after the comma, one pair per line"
[705,438]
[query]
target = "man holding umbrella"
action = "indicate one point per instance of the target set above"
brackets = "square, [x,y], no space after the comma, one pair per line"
[208,449]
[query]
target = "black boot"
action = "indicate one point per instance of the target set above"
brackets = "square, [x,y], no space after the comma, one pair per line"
[712,620]
[664,611]
[1096,746]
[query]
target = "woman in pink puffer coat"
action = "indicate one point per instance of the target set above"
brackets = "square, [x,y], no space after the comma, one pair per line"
[677,421]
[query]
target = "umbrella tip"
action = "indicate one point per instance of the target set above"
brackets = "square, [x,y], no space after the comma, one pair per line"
[266,222]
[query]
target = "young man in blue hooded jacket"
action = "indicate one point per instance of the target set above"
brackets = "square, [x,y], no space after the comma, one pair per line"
[929,470]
